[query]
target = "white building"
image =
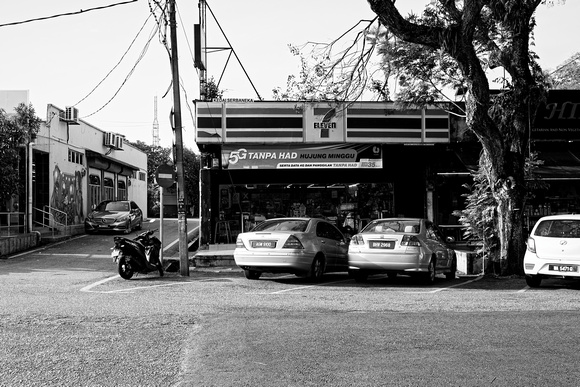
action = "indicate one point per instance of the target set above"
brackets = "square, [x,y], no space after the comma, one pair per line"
[77,165]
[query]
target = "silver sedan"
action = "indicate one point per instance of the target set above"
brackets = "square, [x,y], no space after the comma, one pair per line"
[302,246]
[410,246]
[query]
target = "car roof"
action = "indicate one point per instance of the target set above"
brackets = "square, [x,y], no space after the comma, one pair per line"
[560,216]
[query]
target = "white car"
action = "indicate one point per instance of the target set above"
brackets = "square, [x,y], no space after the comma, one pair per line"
[553,249]
[302,246]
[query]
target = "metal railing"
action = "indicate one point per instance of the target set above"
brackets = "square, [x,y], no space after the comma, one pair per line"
[12,223]
[52,218]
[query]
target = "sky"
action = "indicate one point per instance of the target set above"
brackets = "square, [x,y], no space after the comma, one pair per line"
[111,65]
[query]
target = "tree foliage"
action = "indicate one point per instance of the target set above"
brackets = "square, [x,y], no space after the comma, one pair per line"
[567,75]
[16,131]
[156,156]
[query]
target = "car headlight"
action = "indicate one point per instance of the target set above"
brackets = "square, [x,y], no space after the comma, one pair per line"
[123,218]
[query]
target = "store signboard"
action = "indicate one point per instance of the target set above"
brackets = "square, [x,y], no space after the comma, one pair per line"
[559,117]
[302,157]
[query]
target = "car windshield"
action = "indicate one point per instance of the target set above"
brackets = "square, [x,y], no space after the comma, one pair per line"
[381,226]
[559,228]
[282,225]
[115,206]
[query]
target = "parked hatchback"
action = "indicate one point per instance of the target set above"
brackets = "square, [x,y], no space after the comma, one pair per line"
[553,249]
[114,215]
[302,246]
[410,246]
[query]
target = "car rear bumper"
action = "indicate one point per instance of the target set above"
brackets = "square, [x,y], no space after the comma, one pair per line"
[550,267]
[391,262]
[273,262]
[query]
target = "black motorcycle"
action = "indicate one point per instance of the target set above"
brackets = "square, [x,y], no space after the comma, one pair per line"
[138,255]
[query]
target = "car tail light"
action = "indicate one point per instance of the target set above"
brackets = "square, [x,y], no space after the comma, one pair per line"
[410,240]
[239,243]
[357,240]
[531,245]
[293,243]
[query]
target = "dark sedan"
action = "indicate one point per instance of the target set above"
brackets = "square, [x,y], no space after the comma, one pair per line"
[114,215]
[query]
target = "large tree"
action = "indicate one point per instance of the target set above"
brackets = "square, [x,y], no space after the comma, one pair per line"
[476,34]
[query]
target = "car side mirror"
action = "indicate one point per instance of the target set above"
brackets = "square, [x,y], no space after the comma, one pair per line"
[93,207]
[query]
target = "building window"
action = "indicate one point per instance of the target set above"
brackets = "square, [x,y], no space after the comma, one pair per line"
[75,157]
[108,188]
[142,176]
[94,190]
[121,190]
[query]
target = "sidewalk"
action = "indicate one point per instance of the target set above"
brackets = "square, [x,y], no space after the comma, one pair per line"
[215,256]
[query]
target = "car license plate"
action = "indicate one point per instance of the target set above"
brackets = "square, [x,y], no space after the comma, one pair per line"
[563,268]
[382,244]
[264,244]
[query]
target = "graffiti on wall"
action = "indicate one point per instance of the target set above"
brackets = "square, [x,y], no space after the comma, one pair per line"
[67,196]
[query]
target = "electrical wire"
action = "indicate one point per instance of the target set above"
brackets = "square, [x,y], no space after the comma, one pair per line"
[141,56]
[118,63]
[66,14]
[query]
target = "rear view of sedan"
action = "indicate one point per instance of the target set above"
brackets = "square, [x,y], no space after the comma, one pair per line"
[302,246]
[553,249]
[409,246]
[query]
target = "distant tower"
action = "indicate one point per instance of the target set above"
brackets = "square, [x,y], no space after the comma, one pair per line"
[155,126]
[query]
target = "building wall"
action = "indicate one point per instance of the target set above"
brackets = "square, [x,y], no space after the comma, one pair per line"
[69,145]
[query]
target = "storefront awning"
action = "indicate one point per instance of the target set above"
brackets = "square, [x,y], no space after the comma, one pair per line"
[99,161]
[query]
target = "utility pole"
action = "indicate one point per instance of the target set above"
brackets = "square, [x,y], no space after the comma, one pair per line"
[181,199]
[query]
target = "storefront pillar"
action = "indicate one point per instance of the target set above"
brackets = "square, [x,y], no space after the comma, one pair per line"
[205,215]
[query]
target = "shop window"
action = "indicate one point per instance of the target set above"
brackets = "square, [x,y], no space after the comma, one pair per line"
[121,190]
[94,190]
[108,188]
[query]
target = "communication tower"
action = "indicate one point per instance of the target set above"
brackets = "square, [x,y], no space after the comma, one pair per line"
[155,125]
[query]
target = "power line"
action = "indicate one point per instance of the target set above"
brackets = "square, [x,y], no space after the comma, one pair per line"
[66,14]
[118,63]
[141,56]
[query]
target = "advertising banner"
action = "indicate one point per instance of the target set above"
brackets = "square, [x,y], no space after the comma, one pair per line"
[559,117]
[302,157]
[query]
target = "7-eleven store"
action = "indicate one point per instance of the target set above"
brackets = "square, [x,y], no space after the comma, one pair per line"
[368,160]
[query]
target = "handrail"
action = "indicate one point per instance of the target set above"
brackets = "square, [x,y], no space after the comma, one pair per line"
[53,218]
[7,228]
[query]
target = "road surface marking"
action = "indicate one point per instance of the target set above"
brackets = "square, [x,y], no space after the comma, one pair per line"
[307,287]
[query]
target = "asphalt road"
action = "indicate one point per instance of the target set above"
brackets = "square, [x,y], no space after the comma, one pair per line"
[67,319]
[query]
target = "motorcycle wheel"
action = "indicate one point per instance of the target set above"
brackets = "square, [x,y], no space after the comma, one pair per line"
[125,270]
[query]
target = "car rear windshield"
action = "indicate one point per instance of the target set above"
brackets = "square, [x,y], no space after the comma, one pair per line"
[559,228]
[389,225]
[298,225]
[117,206]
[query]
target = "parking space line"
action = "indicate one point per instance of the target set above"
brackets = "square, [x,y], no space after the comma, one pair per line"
[456,285]
[88,288]
[307,287]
